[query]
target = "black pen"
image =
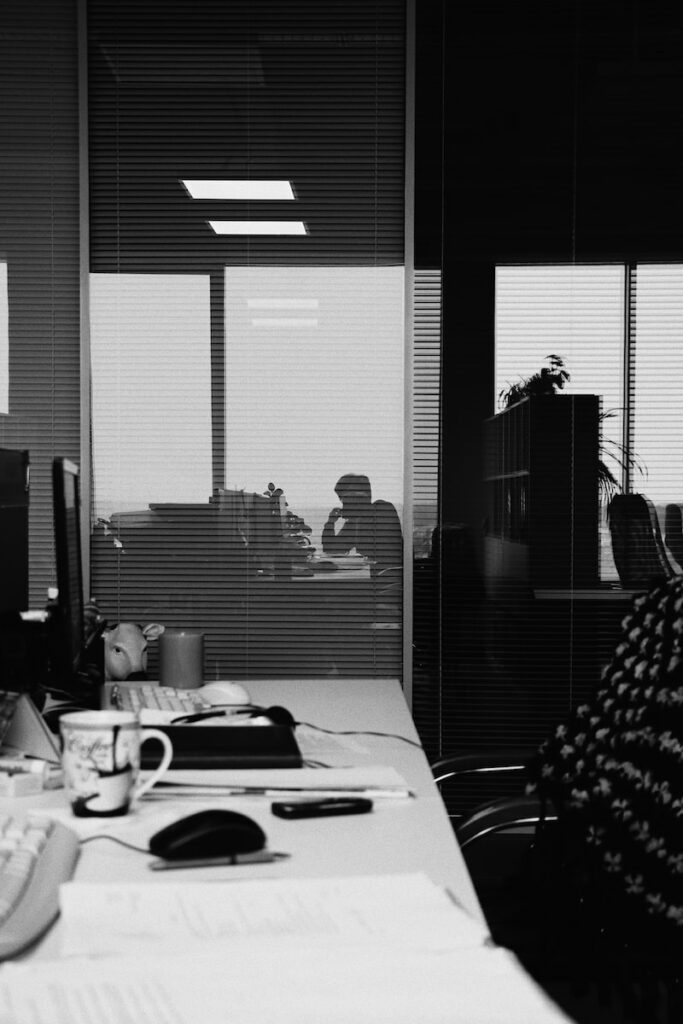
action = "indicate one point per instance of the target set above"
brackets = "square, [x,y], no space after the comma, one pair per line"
[256,857]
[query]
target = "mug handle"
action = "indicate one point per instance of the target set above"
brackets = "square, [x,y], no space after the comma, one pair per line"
[151,734]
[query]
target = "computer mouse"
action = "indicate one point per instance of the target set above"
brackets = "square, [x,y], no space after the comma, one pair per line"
[211,833]
[223,692]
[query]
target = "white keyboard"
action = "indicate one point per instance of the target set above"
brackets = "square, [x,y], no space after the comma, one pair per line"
[36,856]
[158,705]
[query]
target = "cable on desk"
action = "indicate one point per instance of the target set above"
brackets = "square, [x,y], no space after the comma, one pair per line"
[114,839]
[219,711]
[362,732]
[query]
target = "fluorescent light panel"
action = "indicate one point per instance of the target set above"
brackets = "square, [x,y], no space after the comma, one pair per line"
[282,303]
[259,227]
[284,321]
[238,189]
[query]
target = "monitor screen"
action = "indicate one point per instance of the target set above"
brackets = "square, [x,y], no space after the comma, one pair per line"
[69,634]
[14,501]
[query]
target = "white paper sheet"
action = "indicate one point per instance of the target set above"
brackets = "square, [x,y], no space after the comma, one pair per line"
[364,986]
[314,743]
[403,910]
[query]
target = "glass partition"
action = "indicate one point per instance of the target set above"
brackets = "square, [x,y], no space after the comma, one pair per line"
[247,329]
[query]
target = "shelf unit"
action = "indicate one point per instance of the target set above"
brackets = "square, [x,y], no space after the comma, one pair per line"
[541,478]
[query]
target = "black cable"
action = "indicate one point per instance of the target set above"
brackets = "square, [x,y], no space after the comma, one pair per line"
[219,711]
[114,839]
[362,732]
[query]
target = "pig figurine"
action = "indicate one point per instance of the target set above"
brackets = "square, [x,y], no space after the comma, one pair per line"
[125,649]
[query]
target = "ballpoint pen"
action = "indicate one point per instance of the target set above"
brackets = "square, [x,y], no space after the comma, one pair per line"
[256,857]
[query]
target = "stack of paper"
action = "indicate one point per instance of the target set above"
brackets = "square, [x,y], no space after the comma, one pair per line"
[369,986]
[405,910]
[391,949]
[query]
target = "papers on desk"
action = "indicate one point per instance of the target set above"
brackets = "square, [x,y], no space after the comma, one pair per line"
[365,986]
[407,911]
[373,781]
[348,562]
[363,950]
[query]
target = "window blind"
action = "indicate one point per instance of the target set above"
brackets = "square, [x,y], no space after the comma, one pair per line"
[657,414]
[39,249]
[536,633]
[313,95]
[578,313]
[427,309]
[617,328]
[4,341]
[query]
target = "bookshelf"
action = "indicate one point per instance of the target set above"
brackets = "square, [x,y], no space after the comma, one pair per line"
[541,479]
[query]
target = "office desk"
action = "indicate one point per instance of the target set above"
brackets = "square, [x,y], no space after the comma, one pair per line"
[297,981]
[400,835]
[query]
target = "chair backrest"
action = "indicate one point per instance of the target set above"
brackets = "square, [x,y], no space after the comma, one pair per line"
[637,546]
[673,531]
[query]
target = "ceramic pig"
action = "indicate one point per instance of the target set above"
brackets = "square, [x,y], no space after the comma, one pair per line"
[125,649]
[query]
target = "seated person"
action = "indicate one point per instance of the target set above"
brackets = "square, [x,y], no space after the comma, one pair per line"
[613,770]
[371,528]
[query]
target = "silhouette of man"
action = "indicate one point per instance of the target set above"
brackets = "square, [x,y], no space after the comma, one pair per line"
[370,527]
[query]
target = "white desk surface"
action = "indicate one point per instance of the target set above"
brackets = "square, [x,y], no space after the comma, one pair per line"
[399,835]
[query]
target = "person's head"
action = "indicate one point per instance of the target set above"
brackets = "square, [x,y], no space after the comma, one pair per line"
[354,492]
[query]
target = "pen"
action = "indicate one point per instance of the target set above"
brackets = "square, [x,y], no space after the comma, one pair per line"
[256,857]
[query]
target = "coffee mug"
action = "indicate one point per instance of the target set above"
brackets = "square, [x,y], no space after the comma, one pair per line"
[101,761]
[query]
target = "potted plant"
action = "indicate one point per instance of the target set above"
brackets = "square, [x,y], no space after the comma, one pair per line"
[551,379]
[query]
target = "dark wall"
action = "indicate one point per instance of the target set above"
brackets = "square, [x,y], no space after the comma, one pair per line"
[561,129]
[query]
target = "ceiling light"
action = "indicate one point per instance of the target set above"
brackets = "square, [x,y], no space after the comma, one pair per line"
[284,321]
[239,189]
[259,227]
[282,303]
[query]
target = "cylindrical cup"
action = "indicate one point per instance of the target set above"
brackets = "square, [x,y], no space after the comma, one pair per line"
[101,761]
[181,658]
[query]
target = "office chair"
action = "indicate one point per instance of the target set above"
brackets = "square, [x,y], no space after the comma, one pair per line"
[673,531]
[593,905]
[637,545]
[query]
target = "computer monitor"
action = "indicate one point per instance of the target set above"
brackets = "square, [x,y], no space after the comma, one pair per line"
[265,533]
[14,495]
[255,522]
[68,630]
[20,648]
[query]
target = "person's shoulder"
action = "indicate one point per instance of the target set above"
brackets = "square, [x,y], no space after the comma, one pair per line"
[384,510]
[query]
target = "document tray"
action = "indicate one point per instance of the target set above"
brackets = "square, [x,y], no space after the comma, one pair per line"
[234,746]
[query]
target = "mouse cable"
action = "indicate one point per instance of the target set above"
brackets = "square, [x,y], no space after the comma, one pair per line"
[362,732]
[114,839]
[219,711]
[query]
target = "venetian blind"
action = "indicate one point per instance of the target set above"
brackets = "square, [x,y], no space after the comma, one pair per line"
[426,453]
[549,626]
[213,354]
[39,250]
[657,323]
